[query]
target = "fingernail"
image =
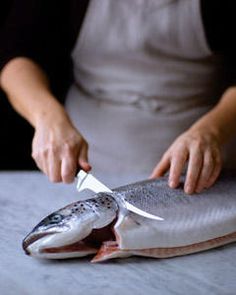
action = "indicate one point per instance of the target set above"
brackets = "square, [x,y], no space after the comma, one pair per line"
[86,165]
[172,184]
[88,168]
[199,189]
[188,190]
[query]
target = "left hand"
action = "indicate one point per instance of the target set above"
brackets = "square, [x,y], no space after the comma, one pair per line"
[201,148]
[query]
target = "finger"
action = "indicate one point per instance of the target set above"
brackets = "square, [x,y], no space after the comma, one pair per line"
[207,169]
[54,167]
[161,168]
[214,176]
[83,158]
[193,170]
[68,168]
[41,161]
[176,167]
[37,161]
[216,171]
[37,158]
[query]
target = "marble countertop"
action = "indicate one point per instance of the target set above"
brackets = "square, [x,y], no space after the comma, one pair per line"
[27,197]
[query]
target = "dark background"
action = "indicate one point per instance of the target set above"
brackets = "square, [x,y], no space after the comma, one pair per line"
[15,141]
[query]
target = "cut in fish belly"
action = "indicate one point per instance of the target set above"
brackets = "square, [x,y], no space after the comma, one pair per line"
[101,226]
[111,250]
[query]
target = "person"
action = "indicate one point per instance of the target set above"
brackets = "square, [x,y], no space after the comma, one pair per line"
[151,87]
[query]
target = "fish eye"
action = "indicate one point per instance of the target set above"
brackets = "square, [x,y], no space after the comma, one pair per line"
[49,221]
[55,218]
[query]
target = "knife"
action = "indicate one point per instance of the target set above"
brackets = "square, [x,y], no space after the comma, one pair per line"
[88,181]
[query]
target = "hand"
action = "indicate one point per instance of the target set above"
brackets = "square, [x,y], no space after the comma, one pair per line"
[59,149]
[201,149]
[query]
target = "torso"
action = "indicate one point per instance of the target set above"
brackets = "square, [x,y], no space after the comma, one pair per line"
[144,74]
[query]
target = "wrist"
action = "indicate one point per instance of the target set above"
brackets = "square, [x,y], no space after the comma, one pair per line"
[221,120]
[208,127]
[51,114]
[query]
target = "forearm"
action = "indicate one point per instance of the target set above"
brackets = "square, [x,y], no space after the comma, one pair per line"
[27,88]
[221,120]
[57,147]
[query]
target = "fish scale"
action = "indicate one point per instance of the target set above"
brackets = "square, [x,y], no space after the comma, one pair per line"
[187,219]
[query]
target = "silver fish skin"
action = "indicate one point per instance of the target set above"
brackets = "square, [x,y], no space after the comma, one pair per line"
[191,223]
[62,233]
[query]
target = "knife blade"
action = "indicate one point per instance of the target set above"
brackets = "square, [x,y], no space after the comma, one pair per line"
[88,181]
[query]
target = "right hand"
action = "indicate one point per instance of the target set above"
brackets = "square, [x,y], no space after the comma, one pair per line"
[59,149]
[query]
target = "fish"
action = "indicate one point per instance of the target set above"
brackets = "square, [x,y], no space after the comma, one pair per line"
[102,227]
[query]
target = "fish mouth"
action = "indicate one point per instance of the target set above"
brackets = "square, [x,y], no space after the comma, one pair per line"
[89,245]
[32,238]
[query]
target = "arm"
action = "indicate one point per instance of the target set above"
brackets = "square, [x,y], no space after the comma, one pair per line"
[58,148]
[201,146]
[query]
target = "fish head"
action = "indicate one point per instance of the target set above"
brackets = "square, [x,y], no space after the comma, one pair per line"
[75,230]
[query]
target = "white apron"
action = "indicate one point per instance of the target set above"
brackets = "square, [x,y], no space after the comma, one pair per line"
[144,74]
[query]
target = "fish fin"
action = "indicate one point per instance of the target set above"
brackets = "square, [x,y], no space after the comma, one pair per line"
[110,250]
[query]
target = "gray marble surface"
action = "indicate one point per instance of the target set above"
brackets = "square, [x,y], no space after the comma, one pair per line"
[26,197]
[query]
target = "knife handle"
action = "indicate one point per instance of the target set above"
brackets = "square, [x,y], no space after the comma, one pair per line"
[78,170]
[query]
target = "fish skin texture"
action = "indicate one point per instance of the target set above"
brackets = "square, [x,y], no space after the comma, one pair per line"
[188,219]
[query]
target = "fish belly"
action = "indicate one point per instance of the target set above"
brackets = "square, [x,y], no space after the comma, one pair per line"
[111,250]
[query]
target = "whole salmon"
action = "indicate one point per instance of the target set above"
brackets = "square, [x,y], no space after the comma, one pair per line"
[103,226]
